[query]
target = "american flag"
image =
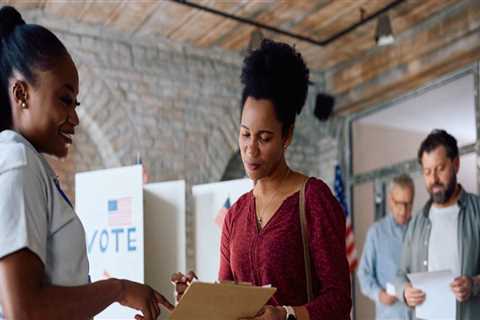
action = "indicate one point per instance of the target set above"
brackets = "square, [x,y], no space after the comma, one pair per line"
[220,218]
[120,212]
[349,238]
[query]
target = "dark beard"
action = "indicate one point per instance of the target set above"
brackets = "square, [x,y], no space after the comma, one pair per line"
[442,197]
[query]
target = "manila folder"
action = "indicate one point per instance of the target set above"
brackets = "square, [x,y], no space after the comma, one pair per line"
[221,301]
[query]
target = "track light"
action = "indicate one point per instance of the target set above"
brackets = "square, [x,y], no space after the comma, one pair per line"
[256,38]
[384,34]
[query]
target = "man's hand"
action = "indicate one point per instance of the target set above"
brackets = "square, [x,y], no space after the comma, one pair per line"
[413,296]
[462,288]
[385,298]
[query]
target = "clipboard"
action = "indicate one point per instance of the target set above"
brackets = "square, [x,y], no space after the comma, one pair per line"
[221,301]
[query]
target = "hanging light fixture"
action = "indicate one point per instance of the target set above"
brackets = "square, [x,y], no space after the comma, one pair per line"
[256,38]
[384,34]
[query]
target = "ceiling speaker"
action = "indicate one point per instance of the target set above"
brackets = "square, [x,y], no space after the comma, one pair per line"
[324,104]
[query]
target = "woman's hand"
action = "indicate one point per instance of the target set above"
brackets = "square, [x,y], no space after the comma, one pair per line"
[413,296]
[181,283]
[143,298]
[270,313]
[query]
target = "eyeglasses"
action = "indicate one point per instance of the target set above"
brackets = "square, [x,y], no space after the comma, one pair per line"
[405,204]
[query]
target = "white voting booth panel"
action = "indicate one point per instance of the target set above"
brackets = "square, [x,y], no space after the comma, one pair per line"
[165,235]
[110,206]
[209,199]
[133,231]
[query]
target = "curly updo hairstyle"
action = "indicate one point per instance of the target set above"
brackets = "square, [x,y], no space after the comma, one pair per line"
[277,72]
[23,48]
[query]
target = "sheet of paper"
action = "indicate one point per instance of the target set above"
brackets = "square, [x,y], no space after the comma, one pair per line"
[439,301]
[390,289]
[221,301]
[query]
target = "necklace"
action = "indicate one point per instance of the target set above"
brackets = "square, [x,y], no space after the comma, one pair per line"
[267,205]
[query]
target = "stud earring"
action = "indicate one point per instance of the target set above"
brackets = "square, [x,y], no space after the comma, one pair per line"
[23,105]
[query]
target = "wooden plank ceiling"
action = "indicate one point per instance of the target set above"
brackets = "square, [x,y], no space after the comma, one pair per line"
[349,62]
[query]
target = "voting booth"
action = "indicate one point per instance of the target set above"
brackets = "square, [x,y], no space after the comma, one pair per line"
[211,202]
[133,231]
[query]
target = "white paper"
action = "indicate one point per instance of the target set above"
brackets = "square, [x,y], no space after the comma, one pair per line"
[439,301]
[390,289]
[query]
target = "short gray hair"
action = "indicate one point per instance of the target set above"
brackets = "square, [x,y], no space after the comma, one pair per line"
[403,180]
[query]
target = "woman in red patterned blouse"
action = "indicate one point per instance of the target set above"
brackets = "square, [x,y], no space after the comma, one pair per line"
[261,238]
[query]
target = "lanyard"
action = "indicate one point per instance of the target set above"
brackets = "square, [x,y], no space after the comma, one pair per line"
[64,196]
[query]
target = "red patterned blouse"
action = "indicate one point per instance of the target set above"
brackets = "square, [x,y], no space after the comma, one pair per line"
[274,255]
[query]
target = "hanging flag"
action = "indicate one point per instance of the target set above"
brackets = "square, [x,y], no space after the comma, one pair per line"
[349,237]
[220,218]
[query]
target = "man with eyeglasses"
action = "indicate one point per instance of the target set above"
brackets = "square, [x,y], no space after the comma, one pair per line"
[446,234]
[381,254]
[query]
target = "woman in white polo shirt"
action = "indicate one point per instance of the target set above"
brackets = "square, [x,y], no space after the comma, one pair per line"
[43,261]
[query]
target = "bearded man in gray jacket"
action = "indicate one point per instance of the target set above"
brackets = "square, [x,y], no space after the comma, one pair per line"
[446,234]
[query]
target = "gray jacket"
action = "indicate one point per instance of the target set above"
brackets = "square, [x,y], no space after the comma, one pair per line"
[415,248]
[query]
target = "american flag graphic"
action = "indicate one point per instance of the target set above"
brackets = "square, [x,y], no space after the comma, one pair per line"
[220,218]
[349,238]
[120,212]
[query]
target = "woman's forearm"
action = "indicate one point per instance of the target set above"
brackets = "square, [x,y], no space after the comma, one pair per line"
[82,302]
[52,302]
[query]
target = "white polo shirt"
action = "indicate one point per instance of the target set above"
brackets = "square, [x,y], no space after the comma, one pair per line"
[34,214]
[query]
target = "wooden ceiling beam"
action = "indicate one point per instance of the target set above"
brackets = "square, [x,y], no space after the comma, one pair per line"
[431,46]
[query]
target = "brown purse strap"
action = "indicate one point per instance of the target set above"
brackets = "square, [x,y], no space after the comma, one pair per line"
[306,251]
